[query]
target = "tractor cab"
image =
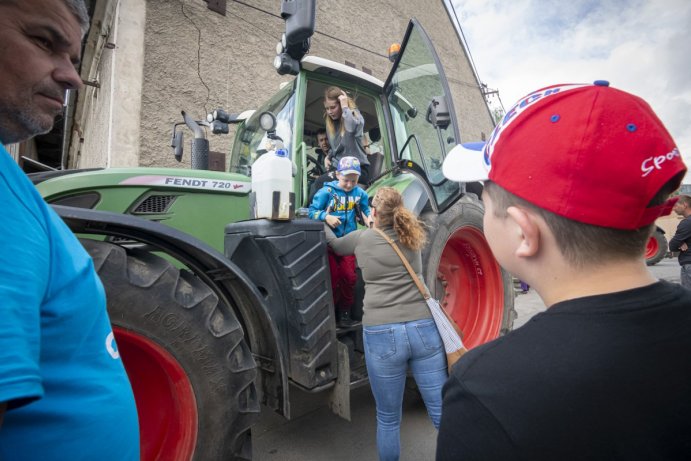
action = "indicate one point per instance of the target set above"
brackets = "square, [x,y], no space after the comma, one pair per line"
[410,127]
[410,123]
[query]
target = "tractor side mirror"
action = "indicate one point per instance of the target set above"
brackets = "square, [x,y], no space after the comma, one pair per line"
[177,145]
[299,16]
[438,112]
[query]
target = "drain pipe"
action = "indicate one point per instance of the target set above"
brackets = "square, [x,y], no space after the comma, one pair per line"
[67,128]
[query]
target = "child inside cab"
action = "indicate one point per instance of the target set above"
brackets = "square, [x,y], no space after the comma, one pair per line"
[338,204]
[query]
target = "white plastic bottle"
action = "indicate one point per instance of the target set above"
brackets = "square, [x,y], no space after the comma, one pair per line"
[273,173]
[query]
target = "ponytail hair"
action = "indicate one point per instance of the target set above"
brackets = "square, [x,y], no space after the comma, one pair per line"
[391,212]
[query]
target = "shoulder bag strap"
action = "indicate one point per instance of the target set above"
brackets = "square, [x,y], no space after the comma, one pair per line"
[420,286]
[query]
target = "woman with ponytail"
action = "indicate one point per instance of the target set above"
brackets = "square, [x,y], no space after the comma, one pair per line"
[398,329]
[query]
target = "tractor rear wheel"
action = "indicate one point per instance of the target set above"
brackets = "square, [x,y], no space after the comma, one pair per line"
[656,249]
[191,370]
[462,273]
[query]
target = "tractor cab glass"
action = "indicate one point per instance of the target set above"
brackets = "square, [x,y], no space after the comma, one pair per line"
[422,112]
[251,140]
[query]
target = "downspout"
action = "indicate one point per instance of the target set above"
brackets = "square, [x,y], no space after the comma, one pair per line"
[101,24]
[67,128]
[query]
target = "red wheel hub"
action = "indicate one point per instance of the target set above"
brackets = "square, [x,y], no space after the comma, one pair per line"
[165,400]
[473,286]
[651,248]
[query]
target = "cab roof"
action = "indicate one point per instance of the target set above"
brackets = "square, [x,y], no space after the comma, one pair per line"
[341,71]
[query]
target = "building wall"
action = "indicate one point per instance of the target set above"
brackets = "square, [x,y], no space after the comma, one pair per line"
[92,134]
[106,132]
[124,138]
[197,60]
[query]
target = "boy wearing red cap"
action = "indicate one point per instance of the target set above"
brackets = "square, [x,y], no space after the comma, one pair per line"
[575,177]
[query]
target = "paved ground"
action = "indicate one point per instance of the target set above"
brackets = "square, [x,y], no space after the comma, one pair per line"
[317,434]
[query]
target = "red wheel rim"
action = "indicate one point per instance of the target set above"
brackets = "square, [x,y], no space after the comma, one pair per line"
[165,400]
[651,248]
[473,286]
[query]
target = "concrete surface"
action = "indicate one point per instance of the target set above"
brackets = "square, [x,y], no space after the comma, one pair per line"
[318,434]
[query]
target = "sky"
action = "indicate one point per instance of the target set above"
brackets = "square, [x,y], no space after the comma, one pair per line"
[639,46]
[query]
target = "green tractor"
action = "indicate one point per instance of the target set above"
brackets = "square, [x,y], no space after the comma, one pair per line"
[216,312]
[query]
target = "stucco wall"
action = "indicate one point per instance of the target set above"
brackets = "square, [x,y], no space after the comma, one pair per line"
[109,134]
[94,131]
[198,60]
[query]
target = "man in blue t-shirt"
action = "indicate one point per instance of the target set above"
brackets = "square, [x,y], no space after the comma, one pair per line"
[64,393]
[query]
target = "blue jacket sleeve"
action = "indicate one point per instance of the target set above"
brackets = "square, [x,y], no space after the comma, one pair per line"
[364,202]
[317,208]
[682,235]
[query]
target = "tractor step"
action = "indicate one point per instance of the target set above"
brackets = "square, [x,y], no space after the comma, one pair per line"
[358,373]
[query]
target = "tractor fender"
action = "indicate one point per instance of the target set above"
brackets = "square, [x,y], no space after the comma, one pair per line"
[224,277]
[40,176]
[287,260]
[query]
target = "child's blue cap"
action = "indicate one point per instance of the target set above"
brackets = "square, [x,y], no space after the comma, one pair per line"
[349,165]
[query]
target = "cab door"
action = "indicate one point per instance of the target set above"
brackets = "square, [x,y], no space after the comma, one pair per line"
[421,116]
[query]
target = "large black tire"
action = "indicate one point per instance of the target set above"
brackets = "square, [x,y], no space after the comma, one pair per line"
[462,273]
[191,370]
[656,248]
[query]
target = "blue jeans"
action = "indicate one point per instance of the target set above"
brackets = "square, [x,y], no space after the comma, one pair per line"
[686,276]
[389,350]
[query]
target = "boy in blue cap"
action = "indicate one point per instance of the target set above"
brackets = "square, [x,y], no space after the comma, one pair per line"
[338,204]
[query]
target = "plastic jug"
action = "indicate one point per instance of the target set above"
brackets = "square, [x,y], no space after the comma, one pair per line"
[272,186]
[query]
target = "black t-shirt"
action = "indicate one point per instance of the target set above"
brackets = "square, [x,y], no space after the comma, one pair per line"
[597,378]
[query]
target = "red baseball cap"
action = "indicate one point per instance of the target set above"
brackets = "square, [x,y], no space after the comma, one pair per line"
[590,153]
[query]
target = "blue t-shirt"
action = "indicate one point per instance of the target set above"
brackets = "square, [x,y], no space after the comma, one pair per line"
[61,374]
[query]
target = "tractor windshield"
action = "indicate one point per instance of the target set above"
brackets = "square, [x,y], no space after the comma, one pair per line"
[251,140]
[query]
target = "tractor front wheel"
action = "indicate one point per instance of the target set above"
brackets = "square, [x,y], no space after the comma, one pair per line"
[462,273]
[192,373]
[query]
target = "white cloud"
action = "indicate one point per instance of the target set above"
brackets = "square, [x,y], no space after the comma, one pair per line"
[640,46]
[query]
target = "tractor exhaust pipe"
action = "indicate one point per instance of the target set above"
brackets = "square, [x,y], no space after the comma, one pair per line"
[200,145]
